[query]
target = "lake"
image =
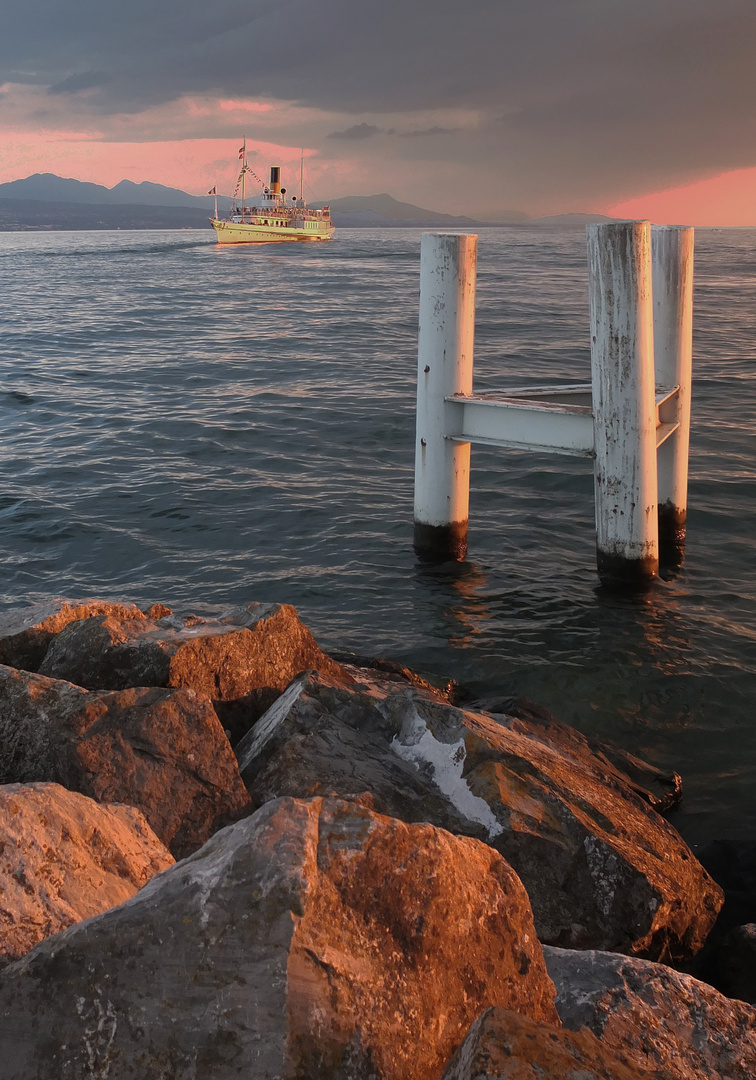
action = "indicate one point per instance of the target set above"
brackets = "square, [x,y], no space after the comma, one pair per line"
[208,426]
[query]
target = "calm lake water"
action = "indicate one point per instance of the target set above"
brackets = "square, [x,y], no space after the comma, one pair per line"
[208,426]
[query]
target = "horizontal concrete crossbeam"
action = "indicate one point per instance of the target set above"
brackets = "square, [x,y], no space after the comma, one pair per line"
[549,419]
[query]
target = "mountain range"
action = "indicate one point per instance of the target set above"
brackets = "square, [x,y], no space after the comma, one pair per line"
[45,201]
[47,187]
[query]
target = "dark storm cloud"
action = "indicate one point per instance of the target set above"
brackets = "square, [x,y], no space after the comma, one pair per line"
[85,81]
[422,133]
[589,92]
[357,131]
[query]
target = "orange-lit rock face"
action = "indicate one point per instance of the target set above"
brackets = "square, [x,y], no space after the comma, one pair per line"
[241,653]
[406,931]
[653,1017]
[501,1045]
[313,939]
[602,869]
[26,633]
[163,751]
[64,858]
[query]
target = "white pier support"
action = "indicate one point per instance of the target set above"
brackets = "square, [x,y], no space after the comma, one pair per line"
[444,368]
[672,253]
[633,420]
[624,409]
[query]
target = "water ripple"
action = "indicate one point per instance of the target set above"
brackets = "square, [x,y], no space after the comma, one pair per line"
[207,426]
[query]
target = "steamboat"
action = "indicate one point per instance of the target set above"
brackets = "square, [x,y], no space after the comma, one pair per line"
[273,218]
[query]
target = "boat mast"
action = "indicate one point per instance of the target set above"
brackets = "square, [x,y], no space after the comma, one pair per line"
[301,175]
[244,169]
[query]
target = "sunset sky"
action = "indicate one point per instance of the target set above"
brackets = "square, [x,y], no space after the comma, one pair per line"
[636,108]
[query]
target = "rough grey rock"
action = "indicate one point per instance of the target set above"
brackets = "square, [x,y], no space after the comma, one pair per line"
[64,858]
[320,739]
[602,869]
[312,940]
[653,1017]
[26,633]
[241,660]
[162,751]
[660,789]
[501,1045]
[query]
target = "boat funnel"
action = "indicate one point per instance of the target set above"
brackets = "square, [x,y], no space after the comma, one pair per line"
[275,178]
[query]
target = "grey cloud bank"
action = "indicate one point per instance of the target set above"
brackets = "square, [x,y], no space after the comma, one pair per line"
[570,99]
[357,131]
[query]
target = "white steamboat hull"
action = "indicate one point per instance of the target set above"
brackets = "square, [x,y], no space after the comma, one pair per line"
[229,232]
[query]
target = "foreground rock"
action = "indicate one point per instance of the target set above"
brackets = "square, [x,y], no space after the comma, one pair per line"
[314,939]
[655,1018]
[245,653]
[63,858]
[602,869]
[658,788]
[504,1046]
[25,634]
[163,751]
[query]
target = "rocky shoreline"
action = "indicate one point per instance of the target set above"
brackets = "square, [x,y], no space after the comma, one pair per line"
[224,853]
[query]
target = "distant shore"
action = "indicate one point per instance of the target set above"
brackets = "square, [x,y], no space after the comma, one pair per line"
[34,215]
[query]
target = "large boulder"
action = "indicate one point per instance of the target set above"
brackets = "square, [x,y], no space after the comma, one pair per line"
[601,867]
[163,751]
[63,858]
[26,633]
[659,788]
[312,940]
[502,1045]
[653,1017]
[242,659]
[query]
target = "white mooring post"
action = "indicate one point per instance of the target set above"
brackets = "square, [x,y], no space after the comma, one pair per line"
[445,368]
[624,401]
[672,254]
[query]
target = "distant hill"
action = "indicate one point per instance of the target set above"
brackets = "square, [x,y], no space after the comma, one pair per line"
[377,210]
[32,215]
[383,210]
[47,187]
[572,219]
[47,201]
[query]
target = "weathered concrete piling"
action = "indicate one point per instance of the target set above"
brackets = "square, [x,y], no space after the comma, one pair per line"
[632,420]
[444,368]
[624,408]
[672,254]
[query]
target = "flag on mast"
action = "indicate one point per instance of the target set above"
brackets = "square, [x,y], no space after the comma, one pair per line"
[213,191]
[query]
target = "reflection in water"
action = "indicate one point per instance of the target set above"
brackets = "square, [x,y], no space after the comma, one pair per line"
[458,587]
[651,625]
[628,667]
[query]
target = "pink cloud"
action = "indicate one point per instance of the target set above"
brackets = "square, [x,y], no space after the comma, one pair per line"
[192,164]
[725,200]
[244,106]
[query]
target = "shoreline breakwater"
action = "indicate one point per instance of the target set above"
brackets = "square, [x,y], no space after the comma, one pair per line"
[228,853]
